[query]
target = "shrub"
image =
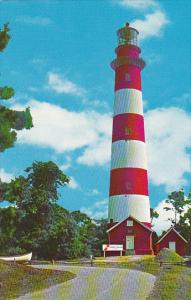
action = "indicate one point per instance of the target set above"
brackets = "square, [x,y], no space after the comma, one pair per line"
[168,255]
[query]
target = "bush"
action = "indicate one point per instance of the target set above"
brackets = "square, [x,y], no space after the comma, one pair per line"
[168,255]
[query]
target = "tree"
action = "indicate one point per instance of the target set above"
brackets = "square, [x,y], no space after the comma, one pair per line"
[81,245]
[33,197]
[154,214]
[99,236]
[178,202]
[184,227]
[55,242]
[8,220]
[184,224]
[10,120]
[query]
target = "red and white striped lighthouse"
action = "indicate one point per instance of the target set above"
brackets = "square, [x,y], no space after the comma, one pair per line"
[128,195]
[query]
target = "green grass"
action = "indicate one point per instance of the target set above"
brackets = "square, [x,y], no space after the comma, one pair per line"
[169,256]
[146,263]
[172,284]
[173,281]
[17,279]
[148,266]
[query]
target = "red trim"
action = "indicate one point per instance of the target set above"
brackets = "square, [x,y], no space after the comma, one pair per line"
[130,217]
[128,181]
[168,232]
[147,224]
[106,247]
[128,126]
[121,82]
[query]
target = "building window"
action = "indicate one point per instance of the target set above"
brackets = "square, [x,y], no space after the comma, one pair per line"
[128,131]
[129,223]
[127,77]
[128,185]
[172,246]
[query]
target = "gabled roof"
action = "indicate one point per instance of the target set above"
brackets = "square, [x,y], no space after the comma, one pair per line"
[170,229]
[143,225]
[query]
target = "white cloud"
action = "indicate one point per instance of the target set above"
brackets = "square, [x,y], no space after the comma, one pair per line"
[4,176]
[98,153]
[98,210]
[168,138]
[73,184]
[65,166]
[137,4]
[41,21]
[168,133]
[98,104]
[95,192]
[62,85]
[152,25]
[64,130]
[162,222]
[182,100]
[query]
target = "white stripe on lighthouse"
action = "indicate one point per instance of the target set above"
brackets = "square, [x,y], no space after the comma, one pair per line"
[123,205]
[128,101]
[128,154]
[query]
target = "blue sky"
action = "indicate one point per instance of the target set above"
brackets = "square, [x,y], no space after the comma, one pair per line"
[58,61]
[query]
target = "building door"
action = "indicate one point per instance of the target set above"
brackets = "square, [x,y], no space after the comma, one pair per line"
[130,242]
[172,246]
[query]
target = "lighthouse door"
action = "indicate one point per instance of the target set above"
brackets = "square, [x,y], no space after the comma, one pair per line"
[130,242]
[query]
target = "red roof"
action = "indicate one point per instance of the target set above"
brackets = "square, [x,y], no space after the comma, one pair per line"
[172,228]
[143,225]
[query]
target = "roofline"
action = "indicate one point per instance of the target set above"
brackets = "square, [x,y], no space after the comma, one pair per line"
[172,228]
[134,220]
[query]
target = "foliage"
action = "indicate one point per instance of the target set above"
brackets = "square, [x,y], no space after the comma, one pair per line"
[24,279]
[6,92]
[100,236]
[89,236]
[10,120]
[178,202]
[184,227]
[55,242]
[168,255]
[8,220]
[154,214]
[32,197]
[4,37]
[37,223]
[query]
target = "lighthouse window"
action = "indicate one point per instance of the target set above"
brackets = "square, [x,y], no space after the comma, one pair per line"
[129,223]
[127,77]
[128,131]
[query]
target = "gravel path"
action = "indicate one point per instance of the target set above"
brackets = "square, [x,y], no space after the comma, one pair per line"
[93,283]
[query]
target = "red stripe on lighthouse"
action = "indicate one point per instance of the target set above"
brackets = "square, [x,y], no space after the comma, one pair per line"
[126,50]
[128,126]
[128,76]
[128,181]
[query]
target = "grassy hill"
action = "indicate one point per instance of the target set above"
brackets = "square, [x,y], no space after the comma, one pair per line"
[17,279]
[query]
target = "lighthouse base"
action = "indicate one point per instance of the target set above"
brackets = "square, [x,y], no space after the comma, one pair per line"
[135,236]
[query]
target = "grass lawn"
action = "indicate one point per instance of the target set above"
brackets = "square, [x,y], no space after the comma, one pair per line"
[173,284]
[146,263]
[17,279]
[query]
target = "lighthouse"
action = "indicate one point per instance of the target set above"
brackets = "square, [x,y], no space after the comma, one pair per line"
[129,208]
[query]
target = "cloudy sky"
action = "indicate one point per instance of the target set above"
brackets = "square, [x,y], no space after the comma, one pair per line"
[58,61]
